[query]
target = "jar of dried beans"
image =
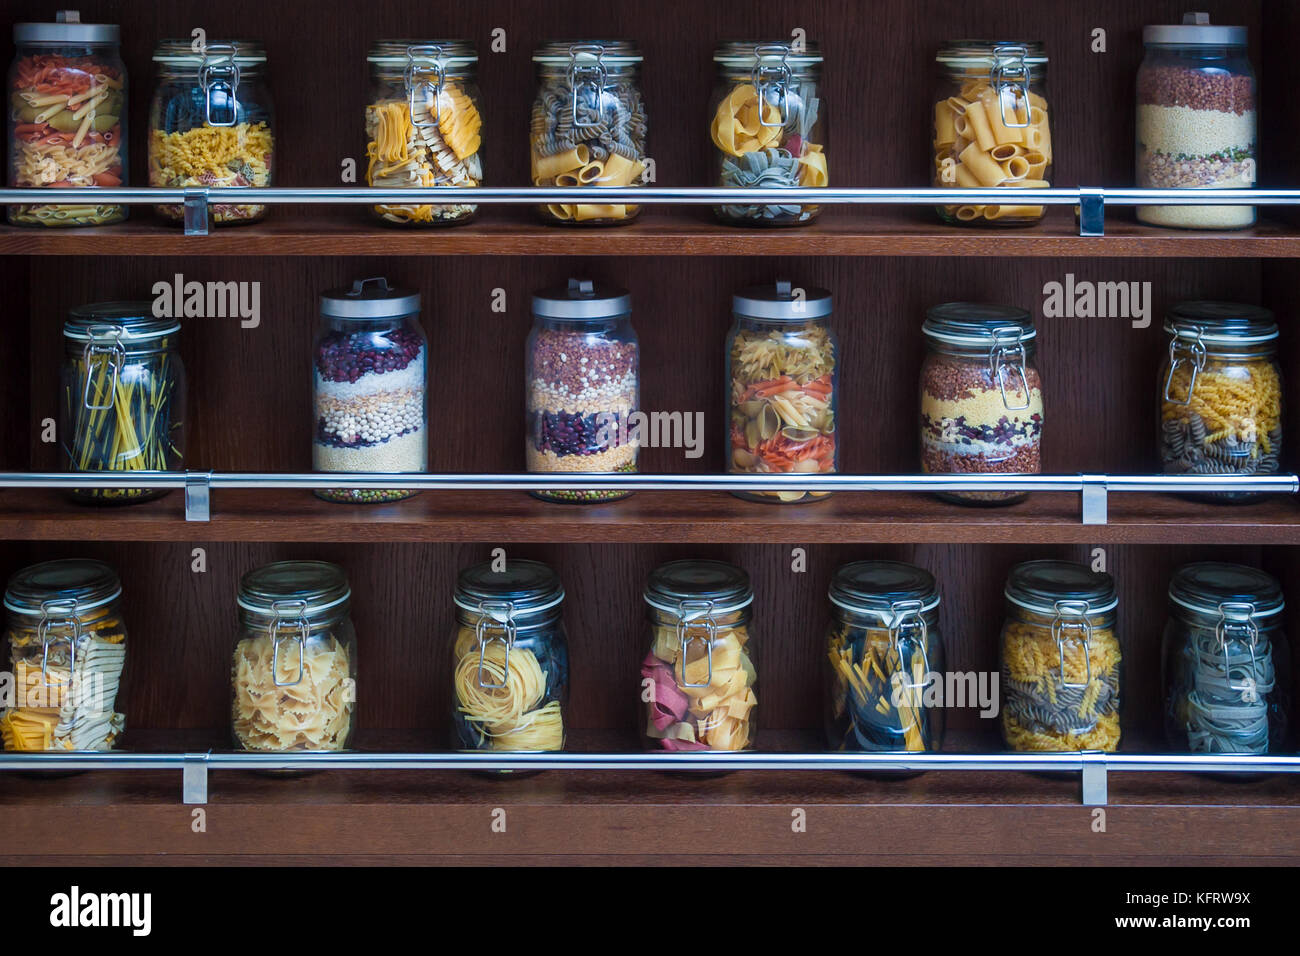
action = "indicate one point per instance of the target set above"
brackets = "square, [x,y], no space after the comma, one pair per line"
[582,381]
[981,396]
[1196,120]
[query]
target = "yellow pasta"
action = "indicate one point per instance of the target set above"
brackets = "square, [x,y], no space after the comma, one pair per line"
[548,167]
[982,166]
[620,171]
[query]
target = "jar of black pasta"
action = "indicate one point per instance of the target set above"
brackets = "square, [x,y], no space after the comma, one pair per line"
[1227,664]
[588,126]
[1221,393]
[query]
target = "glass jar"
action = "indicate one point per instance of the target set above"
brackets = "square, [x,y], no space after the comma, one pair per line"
[122,396]
[1227,664]
[67,649]
[67,118]
[1196,120]
[369,378]
[294,678]
[1221,394]
[1060,659]
[698,678]
[588,126]
[885,648]
[782,360]
[422,125]
[991,127]
[582,386]
[211,123]
[981,397]
[781,148]
[510,659]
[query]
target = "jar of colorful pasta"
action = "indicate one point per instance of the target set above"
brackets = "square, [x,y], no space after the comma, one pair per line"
[211,123]
[67,118]
[991,127]
[422,125]
[1060,659]
[510,658]
[1221,393]
[588,126]
[981,396]
[67,649]
[295,665]
[1227,664]
[698,678]
[885,649]
[782,360]
[781,145]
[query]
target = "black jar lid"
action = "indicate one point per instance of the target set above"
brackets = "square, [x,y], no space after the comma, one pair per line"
[369,299]
[67,28]
[978,324]
[90,584]
[582,300]
[879,586]
[782,302]
[1039,585]
[724,586]
[129,322]
[527,587]
[295,588]
[1207,586]
[1222,323]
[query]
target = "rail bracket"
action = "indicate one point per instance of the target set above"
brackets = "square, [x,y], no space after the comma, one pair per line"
[198,496]
[197,214]
[1094,499]
[194,779]
[1092,211]
[1094,780]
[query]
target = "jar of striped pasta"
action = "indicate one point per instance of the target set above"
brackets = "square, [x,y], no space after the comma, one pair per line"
[991,128]
[423,125]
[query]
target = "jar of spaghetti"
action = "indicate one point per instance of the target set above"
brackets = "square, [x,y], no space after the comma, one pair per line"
[698,678]
[211,123]
[1060,659]
[67,118]
[510,658]
[588,126]
[782,374]
[1221,394]
[422,125]
[991,128]
[1227,664]
[885,649]
[294,677]
[780,146]
[67,650]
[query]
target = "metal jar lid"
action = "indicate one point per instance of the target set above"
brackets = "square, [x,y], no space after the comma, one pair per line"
[701,585]
[986,55]
[1195,30]
[451,55]
[613,54]
[582,299]
[129,323]
[1222,323]
[782,302]
[295,589]
[977,324]
[74,584]
[369,299]
[67,28]
[246,54]
[745,54]
[883,588]
[524,589]
[1215,588]
[1041,586]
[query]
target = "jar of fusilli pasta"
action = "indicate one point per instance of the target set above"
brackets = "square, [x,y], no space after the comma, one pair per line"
[422,125]
[510,658]
[1060,659]
[294,677]
[991,129]
[588,126]
[211,123]
[1221,393]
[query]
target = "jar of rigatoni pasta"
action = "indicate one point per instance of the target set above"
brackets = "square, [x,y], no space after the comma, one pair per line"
[991,128]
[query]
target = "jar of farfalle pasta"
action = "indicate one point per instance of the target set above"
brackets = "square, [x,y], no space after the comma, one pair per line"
[422,125]
[295,664]
[991,128]
[588,126]
[510,658]
[698,678]
[211,123]
[1060,659]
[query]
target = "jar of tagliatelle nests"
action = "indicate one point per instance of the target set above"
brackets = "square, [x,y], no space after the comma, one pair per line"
[1060,659]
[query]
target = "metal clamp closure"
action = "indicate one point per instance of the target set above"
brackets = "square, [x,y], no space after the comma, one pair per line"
[589,80]
[114,353]
[61,613]
[1010,76]
[904,618]
[696,616]
[505,625]
[1008,355]
[1073,616]
[1250,629]
[1195,356]
[219,71]
[772,78]
[279,611]
[411,78]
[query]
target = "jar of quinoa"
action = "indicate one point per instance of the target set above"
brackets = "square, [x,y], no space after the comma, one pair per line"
[981,396]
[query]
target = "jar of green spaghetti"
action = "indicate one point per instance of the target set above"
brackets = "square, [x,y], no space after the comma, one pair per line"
[121,396]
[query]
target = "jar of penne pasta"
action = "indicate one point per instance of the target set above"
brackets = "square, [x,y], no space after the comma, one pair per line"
[294,677]
[510,658]
[588,126]
[67,118]
[211,123]
[422,126]
[769,127]
[991,128]
[1221,394]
